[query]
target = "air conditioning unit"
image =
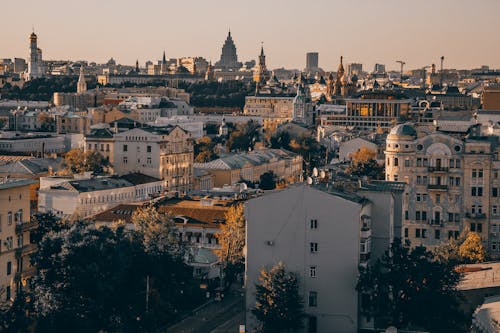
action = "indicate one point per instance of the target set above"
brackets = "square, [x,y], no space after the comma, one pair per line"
[270,243]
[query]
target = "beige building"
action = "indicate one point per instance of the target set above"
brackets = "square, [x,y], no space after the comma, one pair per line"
[165,153]
[491,98]
[250,166]
[15,244]
[453,184]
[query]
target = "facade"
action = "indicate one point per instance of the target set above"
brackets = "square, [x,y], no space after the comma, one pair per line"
[85,197]
[15,244]
[491,98]
[250,166]
[453,185]
[37,144]
[370,110]
[323,236]
[164,153]
[271,108]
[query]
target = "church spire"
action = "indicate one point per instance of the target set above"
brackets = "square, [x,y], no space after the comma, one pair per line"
[81,86]
[164,58]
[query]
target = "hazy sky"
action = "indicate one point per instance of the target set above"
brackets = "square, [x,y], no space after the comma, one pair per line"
[466,32]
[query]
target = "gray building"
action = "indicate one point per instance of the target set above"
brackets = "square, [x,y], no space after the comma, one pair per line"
[323,235]
[312,63]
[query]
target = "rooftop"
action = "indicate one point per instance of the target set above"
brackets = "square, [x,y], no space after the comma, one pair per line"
[8,183]
[139,178]
[478,276]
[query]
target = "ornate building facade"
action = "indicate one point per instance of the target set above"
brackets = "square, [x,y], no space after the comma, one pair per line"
[453,185]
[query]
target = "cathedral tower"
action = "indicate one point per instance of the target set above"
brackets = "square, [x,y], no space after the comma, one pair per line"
[81,86]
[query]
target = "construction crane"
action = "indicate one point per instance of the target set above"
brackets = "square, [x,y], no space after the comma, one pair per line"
[402,63]
[441,74]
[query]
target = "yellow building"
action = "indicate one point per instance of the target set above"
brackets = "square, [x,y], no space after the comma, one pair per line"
[15,244]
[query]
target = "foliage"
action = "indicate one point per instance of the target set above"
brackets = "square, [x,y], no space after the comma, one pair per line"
[92,279]
[365,166]
[279,306]
[204,150]
[267,181]
[13,316]
[472,249]
[408,288]
[42,89]
[157,232]
[244,137]
[232,241]
[218,94]
[78,161]
[363,155]
[46,223]
[46,122]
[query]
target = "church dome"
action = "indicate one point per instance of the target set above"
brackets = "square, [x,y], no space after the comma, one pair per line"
[403,130]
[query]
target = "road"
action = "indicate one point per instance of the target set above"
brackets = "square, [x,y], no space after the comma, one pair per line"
[216,317]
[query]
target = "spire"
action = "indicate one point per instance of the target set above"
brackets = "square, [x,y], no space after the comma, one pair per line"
[261,48]
[137,65]
[164,57]
[81,86]
[229,34]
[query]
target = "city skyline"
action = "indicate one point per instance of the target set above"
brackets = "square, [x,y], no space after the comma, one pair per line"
[365,32]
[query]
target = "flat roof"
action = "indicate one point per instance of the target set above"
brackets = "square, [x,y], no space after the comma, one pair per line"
[7,183]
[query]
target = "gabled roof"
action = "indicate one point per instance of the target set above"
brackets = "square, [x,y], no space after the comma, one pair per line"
[100,133]
[139,178]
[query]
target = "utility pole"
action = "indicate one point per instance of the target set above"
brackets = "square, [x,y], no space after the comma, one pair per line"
[441,74]
[402,63]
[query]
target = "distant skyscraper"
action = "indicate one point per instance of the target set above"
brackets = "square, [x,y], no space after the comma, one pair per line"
[354,69]
[35,66]
[379,69]
[312,61]
[229,57]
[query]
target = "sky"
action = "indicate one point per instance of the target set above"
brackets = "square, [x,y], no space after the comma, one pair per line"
[419,32]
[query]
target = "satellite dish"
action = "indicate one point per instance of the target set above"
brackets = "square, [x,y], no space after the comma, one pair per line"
[322,174]
[315,172]
[309,180]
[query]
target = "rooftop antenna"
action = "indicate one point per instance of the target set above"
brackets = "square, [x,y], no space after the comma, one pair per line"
[441,74]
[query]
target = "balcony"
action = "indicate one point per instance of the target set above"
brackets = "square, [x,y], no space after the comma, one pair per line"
[26,273]
[437,187]
[26,226]
[366,233]
[475,216]
[437,169]
[26,250]
[436,222]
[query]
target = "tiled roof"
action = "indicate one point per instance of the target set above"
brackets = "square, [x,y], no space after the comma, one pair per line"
[237,161]
[121,212]
[210,216]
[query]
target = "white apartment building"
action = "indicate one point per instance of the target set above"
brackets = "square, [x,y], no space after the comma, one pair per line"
[86,197]
[323,235]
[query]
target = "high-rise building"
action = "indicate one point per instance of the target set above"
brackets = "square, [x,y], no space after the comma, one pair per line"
[312,61]
[379,69]
[229,57]
[35,65]
[354,69]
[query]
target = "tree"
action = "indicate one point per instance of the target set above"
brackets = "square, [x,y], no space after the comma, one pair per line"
[46,122]
[232,241]
[363,163]
[363,155]
[267,181]
[409,289]
[204,150]
[157,231]
[244,137]
[279,306]
[78,161]
[472,249]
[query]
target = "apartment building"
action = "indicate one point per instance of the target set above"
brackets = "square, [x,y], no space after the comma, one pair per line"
[15,244]
[323,235]
[453,184]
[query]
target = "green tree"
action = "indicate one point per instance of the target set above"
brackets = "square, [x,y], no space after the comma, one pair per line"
[267,181]
[409,289]
[204,150]
[279,306]
[472,249]
[244,137]
[78,161]
[232,241]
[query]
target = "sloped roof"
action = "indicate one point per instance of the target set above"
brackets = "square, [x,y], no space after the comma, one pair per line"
[236,161]
[139,178]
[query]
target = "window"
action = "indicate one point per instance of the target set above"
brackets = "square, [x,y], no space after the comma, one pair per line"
[125,160]
[424,216]
[419,198]
[419,162]
[125,147]
[148,149]
[426,162]
[452,163]
[312,271]
[450,217]
[9,218]
[406,215]
[424,179]
[312,324]
[457,164]
[494,210]
[407,163]
[314,224]
[396,161]
[495,174]
[419,180]
[424,233]
[313,298]
[396,178]
[479,227]
[9,267]
[406,232]
[438,198]
[494,192]
[417,233]
[7,293]
[472,227]
[107,146]
[148,160]
[313,247]
[437,234]
[417,216]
